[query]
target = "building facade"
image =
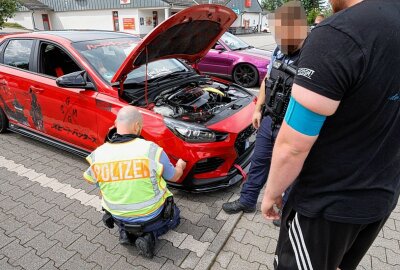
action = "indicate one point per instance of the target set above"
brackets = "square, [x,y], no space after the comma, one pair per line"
[132,16]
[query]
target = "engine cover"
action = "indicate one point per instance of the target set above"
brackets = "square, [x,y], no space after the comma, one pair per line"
[194,97]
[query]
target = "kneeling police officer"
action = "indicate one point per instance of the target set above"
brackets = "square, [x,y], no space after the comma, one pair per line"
[290,30]
[131,174]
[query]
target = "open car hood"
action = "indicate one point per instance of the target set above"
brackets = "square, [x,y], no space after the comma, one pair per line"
[188,35]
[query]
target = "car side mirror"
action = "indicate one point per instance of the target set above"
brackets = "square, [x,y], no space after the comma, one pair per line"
[219,48]
[75,79]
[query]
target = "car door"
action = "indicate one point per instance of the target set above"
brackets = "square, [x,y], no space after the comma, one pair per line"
[216,61]
[68,114]
[15,80]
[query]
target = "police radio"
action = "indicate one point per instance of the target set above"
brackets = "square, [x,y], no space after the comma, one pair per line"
[278,90]
[279,65]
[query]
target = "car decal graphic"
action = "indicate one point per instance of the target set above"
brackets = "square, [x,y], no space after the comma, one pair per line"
[18,113]
[70,113]
[73,132]
[36,112]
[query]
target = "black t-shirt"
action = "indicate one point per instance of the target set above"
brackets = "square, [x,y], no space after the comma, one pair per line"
[352,173]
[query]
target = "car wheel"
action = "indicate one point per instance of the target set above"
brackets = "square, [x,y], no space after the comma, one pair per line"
[245,75]
[3,121]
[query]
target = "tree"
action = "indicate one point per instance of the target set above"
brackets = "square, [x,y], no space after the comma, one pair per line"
[312,7]
[7,10]
[308,5]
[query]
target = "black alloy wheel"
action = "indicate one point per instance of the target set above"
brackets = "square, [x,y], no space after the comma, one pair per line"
[3,121]
[245,75]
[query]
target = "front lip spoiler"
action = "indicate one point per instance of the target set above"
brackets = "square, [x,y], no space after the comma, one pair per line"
[213,184]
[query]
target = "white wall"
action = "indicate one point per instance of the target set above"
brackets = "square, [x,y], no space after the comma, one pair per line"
[89,19]
[102,19]
[128,13]
[253,17]
[148,13]
[37,15]
[23,18]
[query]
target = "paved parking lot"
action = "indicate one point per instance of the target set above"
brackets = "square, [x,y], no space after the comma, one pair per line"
[50,219]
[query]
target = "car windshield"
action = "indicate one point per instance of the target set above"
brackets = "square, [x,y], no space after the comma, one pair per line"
[233,42]
[107,56]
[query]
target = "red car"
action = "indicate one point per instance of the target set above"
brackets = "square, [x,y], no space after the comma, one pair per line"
[66,87]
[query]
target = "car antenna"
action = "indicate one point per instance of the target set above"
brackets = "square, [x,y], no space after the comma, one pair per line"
[145,81]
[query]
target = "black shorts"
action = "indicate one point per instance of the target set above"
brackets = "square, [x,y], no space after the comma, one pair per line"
[319,244]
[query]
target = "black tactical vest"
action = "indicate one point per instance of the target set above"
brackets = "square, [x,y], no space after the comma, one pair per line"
[278,87]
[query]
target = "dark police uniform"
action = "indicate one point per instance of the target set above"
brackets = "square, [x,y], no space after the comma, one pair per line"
[350,181]
[267,132]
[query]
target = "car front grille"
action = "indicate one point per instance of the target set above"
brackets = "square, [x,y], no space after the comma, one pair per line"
[207,165]
[240,144]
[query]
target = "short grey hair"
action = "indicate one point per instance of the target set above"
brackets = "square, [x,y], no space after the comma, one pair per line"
[129,115]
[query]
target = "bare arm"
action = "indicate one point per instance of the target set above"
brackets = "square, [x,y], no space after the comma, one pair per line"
[260,101]
[291,149]
[179,167]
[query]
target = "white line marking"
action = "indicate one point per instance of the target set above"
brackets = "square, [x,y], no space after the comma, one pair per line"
[174,237]
[52,183]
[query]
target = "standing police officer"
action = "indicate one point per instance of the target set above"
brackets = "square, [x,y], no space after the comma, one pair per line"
[289,27]
[130,173]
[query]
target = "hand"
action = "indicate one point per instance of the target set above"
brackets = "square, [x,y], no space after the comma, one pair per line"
[256,119]
[180,163]
[267,207]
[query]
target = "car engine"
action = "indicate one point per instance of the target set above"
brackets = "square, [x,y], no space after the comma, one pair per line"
[195,102]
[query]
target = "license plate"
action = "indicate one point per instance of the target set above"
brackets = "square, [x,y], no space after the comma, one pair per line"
[249,141]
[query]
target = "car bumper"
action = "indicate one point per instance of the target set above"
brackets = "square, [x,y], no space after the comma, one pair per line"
[233,177]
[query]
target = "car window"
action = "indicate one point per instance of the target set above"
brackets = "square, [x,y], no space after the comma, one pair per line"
[2,47]
[18,53]
[106,56]
[233,42]
[215,45]
[55,62]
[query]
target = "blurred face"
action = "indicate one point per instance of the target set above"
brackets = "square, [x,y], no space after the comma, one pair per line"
[338,5]
[318,19]
[289,29]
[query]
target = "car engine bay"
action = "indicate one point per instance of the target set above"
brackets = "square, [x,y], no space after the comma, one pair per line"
[196,101]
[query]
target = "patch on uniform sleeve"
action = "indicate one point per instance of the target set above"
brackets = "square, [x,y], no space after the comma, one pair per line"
[305,72]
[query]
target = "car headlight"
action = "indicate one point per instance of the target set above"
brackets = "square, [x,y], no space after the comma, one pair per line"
[193,133]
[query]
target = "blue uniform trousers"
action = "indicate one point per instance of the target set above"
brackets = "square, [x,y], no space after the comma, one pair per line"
[260,164]
[161,226]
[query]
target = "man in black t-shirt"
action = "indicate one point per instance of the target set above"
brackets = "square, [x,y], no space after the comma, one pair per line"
[340,139]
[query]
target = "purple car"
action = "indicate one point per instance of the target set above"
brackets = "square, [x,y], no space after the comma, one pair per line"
[233,58]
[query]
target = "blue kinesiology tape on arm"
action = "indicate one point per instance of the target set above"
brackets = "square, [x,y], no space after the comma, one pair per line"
[302,119]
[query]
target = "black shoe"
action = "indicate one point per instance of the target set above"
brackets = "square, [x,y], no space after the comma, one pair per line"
[145,244]
[236,206]
[277,222]
[123,238]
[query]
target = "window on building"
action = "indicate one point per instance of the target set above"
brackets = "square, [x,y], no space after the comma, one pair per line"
[55,62]
[18,53]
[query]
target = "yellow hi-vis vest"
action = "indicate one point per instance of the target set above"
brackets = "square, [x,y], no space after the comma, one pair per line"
[129,176]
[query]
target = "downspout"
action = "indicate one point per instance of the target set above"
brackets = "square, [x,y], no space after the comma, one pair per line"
[33,20]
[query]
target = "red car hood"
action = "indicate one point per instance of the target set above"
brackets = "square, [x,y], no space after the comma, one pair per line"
[188,35]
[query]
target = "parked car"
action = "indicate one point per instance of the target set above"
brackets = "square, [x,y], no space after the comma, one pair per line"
[233,58]
[66,87]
